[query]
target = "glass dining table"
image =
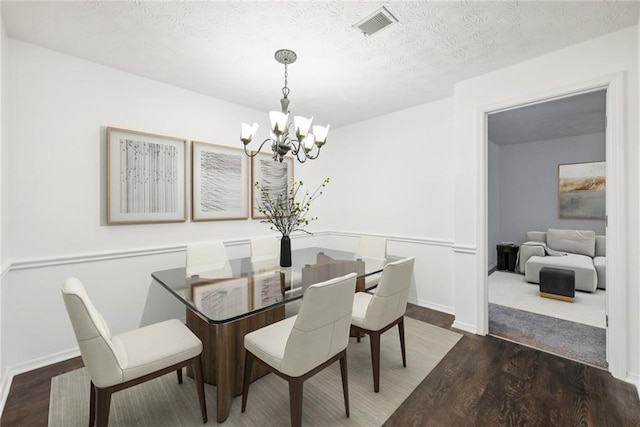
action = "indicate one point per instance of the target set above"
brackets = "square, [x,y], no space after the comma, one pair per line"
[221,308]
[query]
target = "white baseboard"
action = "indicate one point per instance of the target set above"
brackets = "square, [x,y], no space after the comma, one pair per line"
[634,378]
[5,385]
[30,365]
[467,327]
[431,305]
[41,362]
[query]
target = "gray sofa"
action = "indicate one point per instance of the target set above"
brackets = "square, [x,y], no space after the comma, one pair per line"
[580,251]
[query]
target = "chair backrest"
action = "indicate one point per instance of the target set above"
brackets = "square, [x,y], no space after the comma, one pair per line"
[265,254]
[321,329]
[372,247]
[373,251]
[101,357]
[209,257]
[390,299]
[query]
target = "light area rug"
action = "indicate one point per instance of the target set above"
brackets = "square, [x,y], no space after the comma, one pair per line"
[572,340]
[163,402]
[512,290]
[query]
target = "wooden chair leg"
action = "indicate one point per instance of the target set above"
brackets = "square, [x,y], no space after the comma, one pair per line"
[295,401]
[92,405]
[374,337]
[402,348]
[197,374]
[345,382]
[248,363]
[179,373]
[103,397]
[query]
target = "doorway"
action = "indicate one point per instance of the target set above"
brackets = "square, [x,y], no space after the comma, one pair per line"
[527,147]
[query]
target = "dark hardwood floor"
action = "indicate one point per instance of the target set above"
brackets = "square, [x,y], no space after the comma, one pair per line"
[483,381]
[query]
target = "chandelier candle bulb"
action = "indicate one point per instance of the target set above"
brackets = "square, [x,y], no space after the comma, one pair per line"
[248,132]
[321,134]
[308,142]
[278,121]
[302,125]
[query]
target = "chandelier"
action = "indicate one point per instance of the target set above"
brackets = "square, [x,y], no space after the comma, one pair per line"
[281,140]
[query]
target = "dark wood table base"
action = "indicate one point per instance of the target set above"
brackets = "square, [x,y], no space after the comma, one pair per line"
[223,353]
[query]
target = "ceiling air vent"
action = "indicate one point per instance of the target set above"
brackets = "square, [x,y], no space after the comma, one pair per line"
[377,21]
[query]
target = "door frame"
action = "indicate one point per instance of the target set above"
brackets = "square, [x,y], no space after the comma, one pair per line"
[617,288]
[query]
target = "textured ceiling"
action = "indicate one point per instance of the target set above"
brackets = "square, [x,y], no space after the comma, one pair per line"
[571,116]
[225,49]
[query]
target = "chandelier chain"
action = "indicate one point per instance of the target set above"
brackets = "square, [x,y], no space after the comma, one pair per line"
[285,89]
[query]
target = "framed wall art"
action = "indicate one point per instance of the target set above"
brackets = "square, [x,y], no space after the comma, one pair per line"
[145,178]
[219,182]
[274,176]
[581,190]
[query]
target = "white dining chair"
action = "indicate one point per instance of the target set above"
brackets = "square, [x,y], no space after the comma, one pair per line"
[373,251]
[374,314]
[265,254]
[116,362]
[298,347]
[208,258]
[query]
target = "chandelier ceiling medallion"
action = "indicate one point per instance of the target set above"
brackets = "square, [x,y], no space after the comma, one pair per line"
[281,142]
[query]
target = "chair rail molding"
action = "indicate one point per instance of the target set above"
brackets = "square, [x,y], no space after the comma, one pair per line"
[27,264]
[465,249]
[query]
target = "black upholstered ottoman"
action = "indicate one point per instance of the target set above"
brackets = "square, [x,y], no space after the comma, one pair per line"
[557,283]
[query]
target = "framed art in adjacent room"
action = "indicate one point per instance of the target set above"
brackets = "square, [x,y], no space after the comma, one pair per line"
[581,190]
[219,182]
[145,178]
[273,176]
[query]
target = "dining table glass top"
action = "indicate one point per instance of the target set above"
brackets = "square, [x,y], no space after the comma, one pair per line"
[218,296]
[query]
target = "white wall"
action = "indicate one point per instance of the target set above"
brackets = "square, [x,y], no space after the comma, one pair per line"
[635,175]
[392,176]
[59,108]
[4,182]
[536,79]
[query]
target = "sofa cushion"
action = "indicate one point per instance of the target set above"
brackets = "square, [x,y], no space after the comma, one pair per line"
[537,236]
[599,263]
[581,242]
[601,245]
[581,265]
[527,250]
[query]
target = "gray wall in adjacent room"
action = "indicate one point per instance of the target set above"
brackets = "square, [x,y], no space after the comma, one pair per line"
[493,195]
[528,186]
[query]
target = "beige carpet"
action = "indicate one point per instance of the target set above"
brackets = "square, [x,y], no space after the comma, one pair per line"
[512,290]
[163,402]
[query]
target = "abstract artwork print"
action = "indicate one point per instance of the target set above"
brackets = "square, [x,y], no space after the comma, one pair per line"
[219,182]
[581,190]
[148,177]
